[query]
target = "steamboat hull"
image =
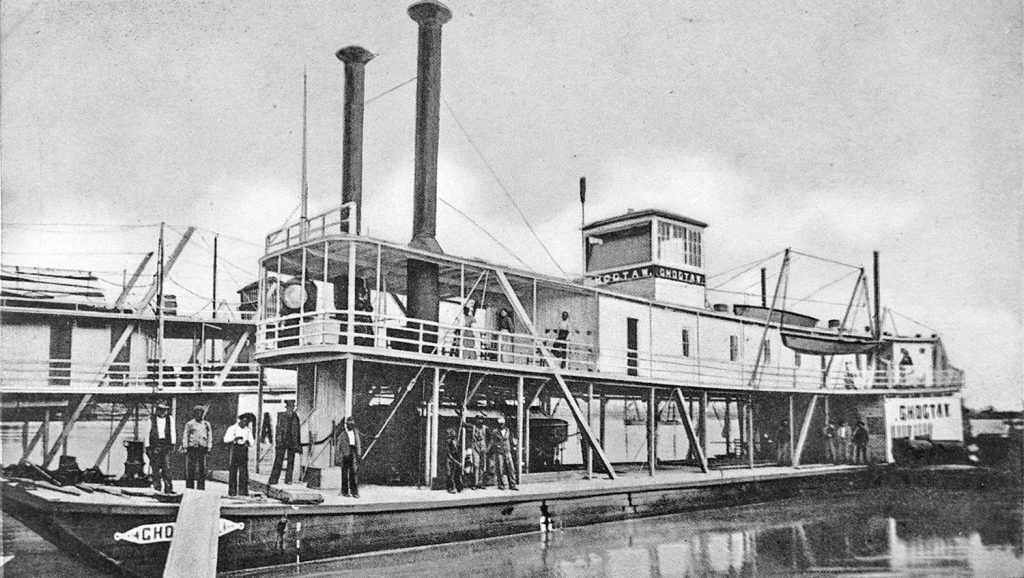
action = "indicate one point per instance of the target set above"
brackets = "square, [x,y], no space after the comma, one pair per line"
[280,534]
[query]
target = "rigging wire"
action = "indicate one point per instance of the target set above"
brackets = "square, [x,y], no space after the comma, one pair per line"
[501,185]
[840,263]
[913,321]
[746,265]
[486,232]
[388,91]
[825,286]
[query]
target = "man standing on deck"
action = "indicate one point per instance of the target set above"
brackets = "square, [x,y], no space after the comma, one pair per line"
[843,434]
[240,438]
[453,461]
[161,444]
[782,443]
[501,449]
[479,455]
[860,443]
[197,443]
[831,443]
[287,442]
[349,449]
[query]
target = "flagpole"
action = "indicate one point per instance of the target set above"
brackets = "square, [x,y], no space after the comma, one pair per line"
[583,223]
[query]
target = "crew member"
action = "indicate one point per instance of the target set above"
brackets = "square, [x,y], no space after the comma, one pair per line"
[239,438]
[782,455]
[161,444]
[479,455]
[860,443]
[349,450]
[197,443]
[453,461]
[501,450]
[831,443]
[287,442]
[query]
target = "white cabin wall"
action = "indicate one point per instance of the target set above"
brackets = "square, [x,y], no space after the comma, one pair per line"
[25,347]
[669,291]
[90,345]
[612,315]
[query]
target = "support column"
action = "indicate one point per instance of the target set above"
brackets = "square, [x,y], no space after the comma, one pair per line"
[804,429]
[652,433]
[435,394]
[587,454]
[520,412]
[792,416]
[691,434]
[750,430]
[46,432]
[602,419]
[702,422]
[350,366]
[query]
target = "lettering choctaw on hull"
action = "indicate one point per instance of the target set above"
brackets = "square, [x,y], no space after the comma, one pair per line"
[153,533]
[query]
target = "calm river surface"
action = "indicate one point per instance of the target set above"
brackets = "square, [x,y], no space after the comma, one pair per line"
[899,532]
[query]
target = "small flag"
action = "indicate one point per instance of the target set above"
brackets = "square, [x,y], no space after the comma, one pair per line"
[583,190]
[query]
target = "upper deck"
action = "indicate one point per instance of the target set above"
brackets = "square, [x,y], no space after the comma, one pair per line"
[312,273]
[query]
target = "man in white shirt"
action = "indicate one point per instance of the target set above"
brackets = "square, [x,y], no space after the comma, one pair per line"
[239,436]
[161,446]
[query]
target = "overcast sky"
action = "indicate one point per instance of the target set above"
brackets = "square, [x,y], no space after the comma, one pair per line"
[835,128]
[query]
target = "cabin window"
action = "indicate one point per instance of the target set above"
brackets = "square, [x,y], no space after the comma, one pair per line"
[796,359]
[686,343]
[734,348]
[679,245]
[767,352]
[630,246]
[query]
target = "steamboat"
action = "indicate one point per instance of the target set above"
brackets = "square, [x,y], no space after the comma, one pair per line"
[414,343]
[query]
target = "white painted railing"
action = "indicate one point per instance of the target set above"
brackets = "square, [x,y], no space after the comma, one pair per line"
[337,221]
[55,374]
[400,334]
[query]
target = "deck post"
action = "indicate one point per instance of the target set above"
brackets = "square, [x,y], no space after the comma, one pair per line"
[113,438]
[32,444]
[46,432]
[435,399]
[696,445]
[24,437]
[554,368]
[350,366]
[519,429]
[652,433]
[750,430]
[804,429]
[702,422]
[588,457]
[792,416]
[602,418]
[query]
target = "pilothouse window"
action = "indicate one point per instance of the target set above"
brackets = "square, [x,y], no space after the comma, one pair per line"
[679,245]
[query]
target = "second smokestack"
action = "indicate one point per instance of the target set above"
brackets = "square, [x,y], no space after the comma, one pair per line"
[355,59]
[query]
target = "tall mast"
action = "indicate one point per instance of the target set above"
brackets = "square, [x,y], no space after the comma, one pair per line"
[878,298]
[160,312]
[305,183]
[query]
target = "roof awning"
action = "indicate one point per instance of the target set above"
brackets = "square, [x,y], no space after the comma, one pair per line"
[827,345]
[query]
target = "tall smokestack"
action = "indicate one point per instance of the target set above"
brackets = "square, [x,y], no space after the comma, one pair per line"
[430,16]
[422,284]
[878,296]
[355,59]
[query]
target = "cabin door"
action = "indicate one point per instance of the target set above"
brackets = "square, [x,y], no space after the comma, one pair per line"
[631,346]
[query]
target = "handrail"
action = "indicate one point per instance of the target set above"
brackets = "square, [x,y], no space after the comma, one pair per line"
[336,221]
[578,355]
[67,373]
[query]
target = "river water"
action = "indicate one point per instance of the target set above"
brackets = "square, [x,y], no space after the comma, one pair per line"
[895,532]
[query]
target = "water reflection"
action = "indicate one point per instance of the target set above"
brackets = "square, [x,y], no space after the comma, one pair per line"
[906,531]
[877,533]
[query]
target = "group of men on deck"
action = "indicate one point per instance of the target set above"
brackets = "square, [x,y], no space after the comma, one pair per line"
[489,458]
[843,444]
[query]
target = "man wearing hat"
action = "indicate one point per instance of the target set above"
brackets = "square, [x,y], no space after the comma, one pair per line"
[348,450]
[453,461]
[197,443]
[287,442]
[161,444]
[239,438]
[501,449]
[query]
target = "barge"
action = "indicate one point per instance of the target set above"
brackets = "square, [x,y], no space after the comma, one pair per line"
[410,341]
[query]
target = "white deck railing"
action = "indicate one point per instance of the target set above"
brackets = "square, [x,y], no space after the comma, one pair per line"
[400,334]
[35,375]
[337,221]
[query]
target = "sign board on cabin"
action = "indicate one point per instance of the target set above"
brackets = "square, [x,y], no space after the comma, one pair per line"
[646,271]
[153,533]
